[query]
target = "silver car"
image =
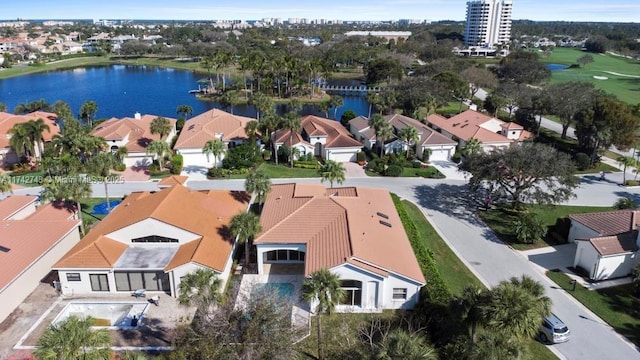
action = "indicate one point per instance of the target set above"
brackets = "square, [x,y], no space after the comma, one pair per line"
[553,330]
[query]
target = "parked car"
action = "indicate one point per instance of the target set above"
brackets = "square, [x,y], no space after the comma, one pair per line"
[553,330]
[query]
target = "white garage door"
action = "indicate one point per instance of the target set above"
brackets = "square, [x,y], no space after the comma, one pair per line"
[440,154]
[343,157]
[197,160]
[138,161]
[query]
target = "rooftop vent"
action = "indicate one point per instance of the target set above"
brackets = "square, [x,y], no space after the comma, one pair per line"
[4,249]
[137,116]
[382,215]
[385,223]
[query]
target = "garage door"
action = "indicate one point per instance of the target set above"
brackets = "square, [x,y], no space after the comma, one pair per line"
[343,157]
[440,154]
[197,160]
[138,161]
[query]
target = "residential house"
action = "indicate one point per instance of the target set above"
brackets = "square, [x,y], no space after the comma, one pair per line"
[355,232]
[607,242]
[441,147]
[153,239]
[324,138]
[32,239]
[491,132]
[210,125]
[134,134]
[7,121]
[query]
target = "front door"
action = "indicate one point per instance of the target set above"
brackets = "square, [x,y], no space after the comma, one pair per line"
[372,295]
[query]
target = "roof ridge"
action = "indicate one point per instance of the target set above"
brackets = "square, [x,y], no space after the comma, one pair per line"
[290,215]
[95,243]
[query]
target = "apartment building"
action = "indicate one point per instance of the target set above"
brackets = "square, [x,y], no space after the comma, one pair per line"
[488,23]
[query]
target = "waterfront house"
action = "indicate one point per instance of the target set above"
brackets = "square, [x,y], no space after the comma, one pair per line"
[135,135]
[355,232]
[151,240]
[8,155]
[32,239]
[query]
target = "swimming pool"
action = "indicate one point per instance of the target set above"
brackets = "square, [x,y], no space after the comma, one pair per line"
[284,290]
[117,314]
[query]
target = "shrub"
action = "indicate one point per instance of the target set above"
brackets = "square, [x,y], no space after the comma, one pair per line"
[456,157]
[582,161]
[215,172]
[416,165]
[529,228]
[361,156]
[306,164]
[625,203]
[120,167]
[393,170]
[176,164]
[243,156]
[631,183]
[426,154]
[283,153]
[153,167]
[266,154]
[158,173]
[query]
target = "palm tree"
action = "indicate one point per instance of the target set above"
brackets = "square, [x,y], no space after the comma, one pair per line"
[159,148]
[259,184]
[184,110]
[332,171]
[62,110]
[251,129]
[200,288]
[410,136]
[214,147]
[262,103]
[400,344]
[335,102]
[383,133]
[323,289]
[472,147]
[88,111]
[291,121]
[470,303]
[73,339]
[245,226]
[228,100]
[625,161]
[270,123]
[101,166]
[372,98]
[324,106]
[73,189]
[35,128]
[3,107]
[5,184]
[160,126]
[20,140]
[121,153]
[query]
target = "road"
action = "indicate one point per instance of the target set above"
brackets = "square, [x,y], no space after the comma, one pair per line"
[446,204]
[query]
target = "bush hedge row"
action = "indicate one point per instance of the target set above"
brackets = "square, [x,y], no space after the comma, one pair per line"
[436,289]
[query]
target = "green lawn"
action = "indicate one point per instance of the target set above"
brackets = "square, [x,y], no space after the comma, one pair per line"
[626,88]
[614,305]
[59,65]
[87,205]
[274,171]
[501,222]
[430,172]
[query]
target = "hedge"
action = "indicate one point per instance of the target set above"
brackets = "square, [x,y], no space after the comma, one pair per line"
[436,289]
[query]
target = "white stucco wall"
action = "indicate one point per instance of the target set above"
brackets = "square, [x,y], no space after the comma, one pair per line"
[262,249]
[70,288]
[17,290]
[149,227]
[579,231]
[24,212]
[586,256]
[615,266]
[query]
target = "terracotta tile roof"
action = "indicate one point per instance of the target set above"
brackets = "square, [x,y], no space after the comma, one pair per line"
[12,204]
[206,214]
[337,136]
[282,137]
[139,131]
[427,135]
[469,124]
[339,225]
[173,180]
[609,223]
[359,122]
[54,211]
[7,121]
[616,244]
[23,241]
[208,126]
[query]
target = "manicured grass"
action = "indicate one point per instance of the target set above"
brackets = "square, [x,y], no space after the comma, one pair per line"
[454,273]
[87,205]
[615,305]
[626,88]
[274,171]
[600,167]
[58,65]
[430,172]
[538,351]
[501,222]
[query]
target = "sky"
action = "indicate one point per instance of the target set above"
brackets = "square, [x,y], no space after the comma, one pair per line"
[549,10]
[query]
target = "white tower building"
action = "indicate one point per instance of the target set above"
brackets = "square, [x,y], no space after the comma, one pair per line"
[488,23]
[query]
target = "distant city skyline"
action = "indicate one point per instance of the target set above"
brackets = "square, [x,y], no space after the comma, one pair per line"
[375,10]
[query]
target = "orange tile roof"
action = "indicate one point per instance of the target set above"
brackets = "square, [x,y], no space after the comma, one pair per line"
[54,211]
[468,125]
[338,226]
[173,180]
[7,121]
[616,244]
[313,126]
[12,204]
[608,223]
[23,241]
[139,131]
[204,213]
[204,127]
[427,134]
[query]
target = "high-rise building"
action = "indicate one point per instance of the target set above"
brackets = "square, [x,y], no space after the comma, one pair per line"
[488,23]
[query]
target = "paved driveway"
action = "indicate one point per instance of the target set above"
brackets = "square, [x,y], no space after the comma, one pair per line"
[450,170]
[552,257]
[353,170]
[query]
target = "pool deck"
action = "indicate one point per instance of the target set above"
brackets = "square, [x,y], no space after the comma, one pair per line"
[20,332]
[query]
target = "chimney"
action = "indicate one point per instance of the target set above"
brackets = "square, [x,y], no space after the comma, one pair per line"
[137,116]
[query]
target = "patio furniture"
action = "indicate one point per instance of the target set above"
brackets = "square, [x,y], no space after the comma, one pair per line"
[155,300]
[139,293]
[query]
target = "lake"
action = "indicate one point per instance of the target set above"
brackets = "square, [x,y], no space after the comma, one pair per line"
[556,67]
[123,90]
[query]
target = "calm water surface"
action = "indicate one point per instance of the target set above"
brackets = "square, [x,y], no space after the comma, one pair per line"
[122,90]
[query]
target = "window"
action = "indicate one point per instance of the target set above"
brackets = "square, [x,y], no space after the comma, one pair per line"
[353,292]
[148,280]
[73,276]
[284,255]
[99,282]
[399,294]
[154,239]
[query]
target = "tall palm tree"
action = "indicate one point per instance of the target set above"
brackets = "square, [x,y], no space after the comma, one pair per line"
[5,184]
[262,103]
[3,107]
[324,106]
[20,140]
[73,339]
[258,183]
[400,344]
[410,136]
[184,110]
[200,288]
[62,110]
[382,129]
[245,226]
[72,190]
[625,162]
[251,129]
[160,126]
[159,148]
[470,303]
[472,147]
[35,129]
[323,289]
[101,166]
[229,100]
[121,153]
[332,171]
[291,122]
[214,147]
[372,98]
[88,111]
[270,122]
[335,102]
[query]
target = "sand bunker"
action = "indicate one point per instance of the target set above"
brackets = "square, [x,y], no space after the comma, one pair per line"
[600,77]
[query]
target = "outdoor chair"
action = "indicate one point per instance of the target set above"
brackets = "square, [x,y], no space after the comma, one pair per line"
[155,300]
[139,293]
